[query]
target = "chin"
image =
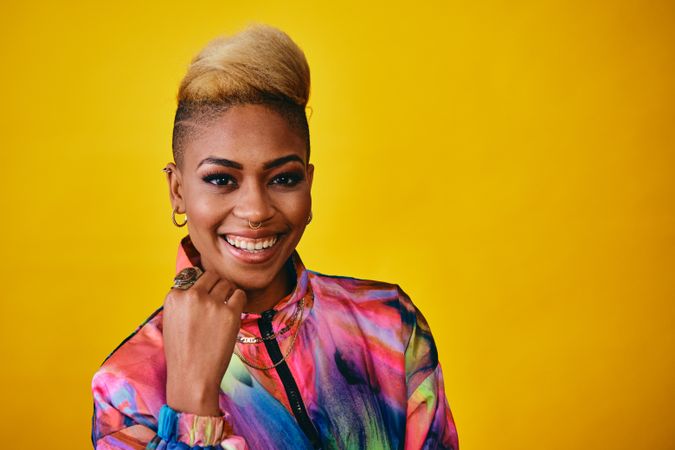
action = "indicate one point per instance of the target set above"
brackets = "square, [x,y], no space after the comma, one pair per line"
[254,279]
[253,282]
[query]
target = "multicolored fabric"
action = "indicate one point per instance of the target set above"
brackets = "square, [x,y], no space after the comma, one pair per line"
[364,361]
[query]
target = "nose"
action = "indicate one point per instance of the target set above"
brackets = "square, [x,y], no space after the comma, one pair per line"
[253,203]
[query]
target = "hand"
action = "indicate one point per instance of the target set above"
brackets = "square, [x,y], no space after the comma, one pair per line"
[200,329]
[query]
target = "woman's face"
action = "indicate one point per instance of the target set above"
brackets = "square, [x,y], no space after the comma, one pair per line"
[248,165]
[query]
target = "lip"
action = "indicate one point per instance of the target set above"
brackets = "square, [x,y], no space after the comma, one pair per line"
[252,234]
[258,257]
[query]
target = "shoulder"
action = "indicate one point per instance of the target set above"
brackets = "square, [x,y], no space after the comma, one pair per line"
[382,301]
[358,290]
[131,378]
[384,315]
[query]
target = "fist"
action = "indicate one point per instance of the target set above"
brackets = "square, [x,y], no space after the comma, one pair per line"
[200,327]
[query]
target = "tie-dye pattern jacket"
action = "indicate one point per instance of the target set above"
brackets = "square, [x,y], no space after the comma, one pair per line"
[363,374]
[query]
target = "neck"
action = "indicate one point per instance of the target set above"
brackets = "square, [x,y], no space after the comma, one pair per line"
[259,300]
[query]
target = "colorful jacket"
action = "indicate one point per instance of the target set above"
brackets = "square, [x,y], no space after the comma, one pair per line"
[363,374]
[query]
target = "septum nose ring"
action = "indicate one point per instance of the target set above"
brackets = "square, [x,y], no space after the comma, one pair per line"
[254,227]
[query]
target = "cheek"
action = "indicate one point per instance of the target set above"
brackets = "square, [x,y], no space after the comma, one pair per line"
[297,209]
[205,210]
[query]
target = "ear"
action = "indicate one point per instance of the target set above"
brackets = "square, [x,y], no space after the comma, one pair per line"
[174,179]
[310,174]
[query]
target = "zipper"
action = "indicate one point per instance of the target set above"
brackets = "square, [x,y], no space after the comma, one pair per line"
[290,386]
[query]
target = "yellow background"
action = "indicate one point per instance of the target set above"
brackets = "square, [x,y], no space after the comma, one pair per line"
[509,163]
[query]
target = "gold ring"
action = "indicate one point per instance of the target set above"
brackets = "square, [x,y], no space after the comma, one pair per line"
[186,277]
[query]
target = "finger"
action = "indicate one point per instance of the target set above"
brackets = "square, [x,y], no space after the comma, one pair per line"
[237,301]
[206,281]
[222,290]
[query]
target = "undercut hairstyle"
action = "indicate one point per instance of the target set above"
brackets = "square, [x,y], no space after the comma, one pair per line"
[259,65]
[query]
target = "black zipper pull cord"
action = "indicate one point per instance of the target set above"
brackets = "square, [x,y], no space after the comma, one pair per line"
[292,391]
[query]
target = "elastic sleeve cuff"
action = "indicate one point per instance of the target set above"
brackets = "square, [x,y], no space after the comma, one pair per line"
[191,429]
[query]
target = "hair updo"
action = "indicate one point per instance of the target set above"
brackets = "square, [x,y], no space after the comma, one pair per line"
[260,65]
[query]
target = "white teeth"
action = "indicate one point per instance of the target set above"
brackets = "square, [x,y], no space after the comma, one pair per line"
[251,245]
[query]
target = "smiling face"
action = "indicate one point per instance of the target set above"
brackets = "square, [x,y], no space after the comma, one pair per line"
[246,165]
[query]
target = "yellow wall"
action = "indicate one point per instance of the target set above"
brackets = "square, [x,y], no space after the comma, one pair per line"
[509,164]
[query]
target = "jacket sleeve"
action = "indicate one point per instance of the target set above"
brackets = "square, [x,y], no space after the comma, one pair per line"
[429,421]
[119,423]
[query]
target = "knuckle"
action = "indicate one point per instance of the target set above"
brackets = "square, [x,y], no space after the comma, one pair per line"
[239,293]
[192,295]
[170,299]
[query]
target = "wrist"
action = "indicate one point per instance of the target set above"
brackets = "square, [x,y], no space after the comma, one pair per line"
[193,398]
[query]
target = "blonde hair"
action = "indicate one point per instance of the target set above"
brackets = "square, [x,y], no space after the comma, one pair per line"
[260,64]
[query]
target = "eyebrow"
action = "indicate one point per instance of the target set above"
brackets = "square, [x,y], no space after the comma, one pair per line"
[266,166]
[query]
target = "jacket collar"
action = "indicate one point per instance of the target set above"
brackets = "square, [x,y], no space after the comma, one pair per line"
[189,256]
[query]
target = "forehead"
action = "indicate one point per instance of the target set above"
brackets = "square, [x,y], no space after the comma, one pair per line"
[250,134]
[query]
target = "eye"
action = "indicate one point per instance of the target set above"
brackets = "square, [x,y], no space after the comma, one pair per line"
[220,179]
[287,179]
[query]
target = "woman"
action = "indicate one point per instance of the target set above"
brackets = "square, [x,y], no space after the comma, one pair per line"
[321,361]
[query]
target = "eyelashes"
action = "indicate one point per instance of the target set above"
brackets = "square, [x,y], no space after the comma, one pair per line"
[220,179]
[286,179]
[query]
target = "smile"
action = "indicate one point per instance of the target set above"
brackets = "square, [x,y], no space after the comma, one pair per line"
[251,245]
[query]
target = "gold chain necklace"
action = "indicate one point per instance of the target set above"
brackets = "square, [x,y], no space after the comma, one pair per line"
[288,352]
[284,330]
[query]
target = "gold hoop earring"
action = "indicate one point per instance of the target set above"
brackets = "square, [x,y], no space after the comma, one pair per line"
[309,219]
[173,218]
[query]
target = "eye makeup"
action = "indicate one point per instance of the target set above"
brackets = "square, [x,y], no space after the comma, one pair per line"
[285,179]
